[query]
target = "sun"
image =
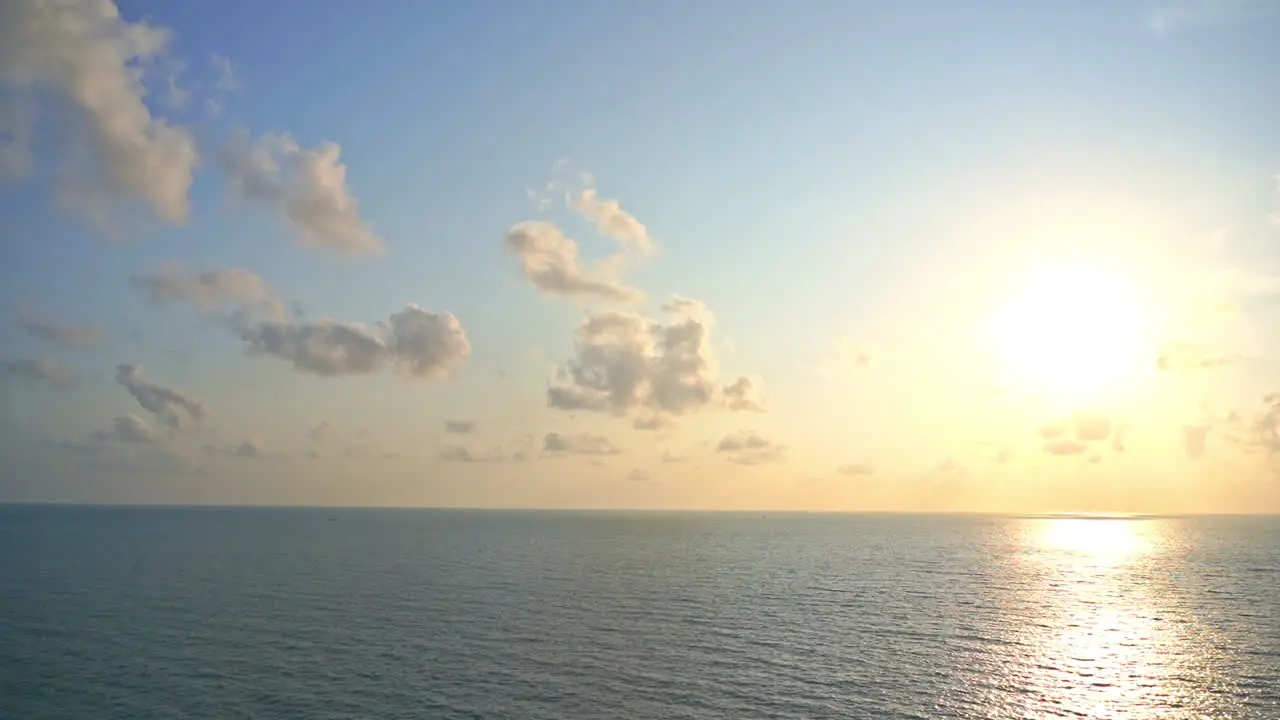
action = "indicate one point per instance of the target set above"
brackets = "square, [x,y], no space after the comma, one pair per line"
[1074,331]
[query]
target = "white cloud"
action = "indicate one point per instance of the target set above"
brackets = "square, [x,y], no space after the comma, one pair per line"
[58,334]
[578,444]
[128,428]
[41,370]
[210,290]
[627,364]
[227,81]
[549,260]
[611,220]
[416,342]
[749,448]
[307,186]
[168,405]
[93,60]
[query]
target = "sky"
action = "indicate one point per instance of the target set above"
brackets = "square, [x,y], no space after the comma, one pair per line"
[910,256]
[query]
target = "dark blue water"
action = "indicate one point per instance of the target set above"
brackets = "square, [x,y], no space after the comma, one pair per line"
[220,613]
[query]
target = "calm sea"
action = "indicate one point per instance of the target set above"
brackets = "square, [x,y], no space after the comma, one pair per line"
[305,613]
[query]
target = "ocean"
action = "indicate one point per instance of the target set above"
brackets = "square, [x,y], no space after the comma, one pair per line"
[115,612]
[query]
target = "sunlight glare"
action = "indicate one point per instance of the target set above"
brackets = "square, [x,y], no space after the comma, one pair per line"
[1073,330]
[1096,541]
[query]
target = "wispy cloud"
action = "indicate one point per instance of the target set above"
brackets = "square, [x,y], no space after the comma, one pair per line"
[247,450]
[56,333]
[128,428]
[1194,438]
[611,220]
[555,443]
[1176,357]
[308,187]
[857,469]
[171,407]
[210,290]
[42,370]
[1064,447]
[1177,15]
[749,448]
[550,262]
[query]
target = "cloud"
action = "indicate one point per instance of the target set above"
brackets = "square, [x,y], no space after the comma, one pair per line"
[168,405]
[210,290]
[319,434]
[743,395]
[128,428]
[1095,458]
[549,260]
[416,342]
[463,454]
[1177,15]
[458,453]
[857,469]
[1117,441]
[1064,447]
[1182,357]
[65,335]
[749,448]
[652,422]
[1004,455]
[16,122]
[42,370]
[949,467]
[459,427]
[227,82]
[1193,440]
[627,364]
[93,61]
[1052,430]
[611,220]
[1092,426]
[671,458]
[247,450]
[640,476]
[578,444]
[306,186]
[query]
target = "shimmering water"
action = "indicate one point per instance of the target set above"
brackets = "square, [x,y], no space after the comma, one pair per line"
[216,613]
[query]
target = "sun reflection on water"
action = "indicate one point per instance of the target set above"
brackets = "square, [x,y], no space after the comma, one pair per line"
[1095,542]
[1098,637]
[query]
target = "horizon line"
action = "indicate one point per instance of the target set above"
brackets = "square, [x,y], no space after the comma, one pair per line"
[1050,515]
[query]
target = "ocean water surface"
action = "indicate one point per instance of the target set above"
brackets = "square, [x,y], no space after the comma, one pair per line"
[309,613]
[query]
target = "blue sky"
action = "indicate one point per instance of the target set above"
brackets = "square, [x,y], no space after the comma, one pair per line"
[865,176]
